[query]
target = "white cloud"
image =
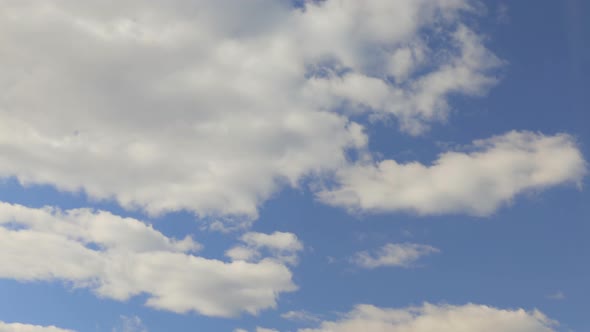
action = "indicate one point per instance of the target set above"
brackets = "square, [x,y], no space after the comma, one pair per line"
[203,106]
[280,245]
[477,182]
[300,315]
[438,318]
[94,227]
[393,254]
[130,324]
[263,329]
[120,258]
[19,327]
[422,100]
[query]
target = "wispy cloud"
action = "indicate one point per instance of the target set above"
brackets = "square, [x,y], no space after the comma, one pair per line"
[559,295]
[440,318]
[300,316]
[393,254]
[130,324]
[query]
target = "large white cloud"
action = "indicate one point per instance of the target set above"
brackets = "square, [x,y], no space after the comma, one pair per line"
[119,258]
[19,327]
[438,318]
[212,105]
[476,182]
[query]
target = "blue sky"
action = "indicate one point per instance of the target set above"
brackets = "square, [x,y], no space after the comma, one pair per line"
[271,166]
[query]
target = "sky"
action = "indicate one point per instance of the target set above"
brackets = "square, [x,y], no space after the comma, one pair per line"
[302,166]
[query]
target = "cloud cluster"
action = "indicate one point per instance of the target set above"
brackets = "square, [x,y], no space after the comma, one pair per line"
[212,107]
[477,182]
[438,318]
[119,258]
[19,327]
[393,254]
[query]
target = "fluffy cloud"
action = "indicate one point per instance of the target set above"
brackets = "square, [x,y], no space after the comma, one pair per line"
[476,182]
[393,254]
[438,318]
[283,246]
[211,107]
[119,258]
[415,103]
[18,327]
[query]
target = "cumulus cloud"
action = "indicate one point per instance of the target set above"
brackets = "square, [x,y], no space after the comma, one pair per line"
[418,102]
[477,182]
[212,107]
[119,258]
[280,245]
[393,254]
[438,318]
[19,327]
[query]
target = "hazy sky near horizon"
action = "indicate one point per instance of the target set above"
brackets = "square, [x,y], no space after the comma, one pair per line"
[280,165]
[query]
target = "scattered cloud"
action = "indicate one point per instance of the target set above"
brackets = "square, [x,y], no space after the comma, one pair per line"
[202,106]
[262,329]
[440,318]
[476,183]
[130,324]
[557,296]
[393,254]
[119,258]
[19,327]
[300,316]
[502,13]
[280,245]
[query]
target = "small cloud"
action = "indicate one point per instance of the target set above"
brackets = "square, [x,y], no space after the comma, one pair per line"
[282,246]
[557,296]
[227,226]
[301,316]
[262,329]
[502,14]
[407,233]
[130,324]
[393,254]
